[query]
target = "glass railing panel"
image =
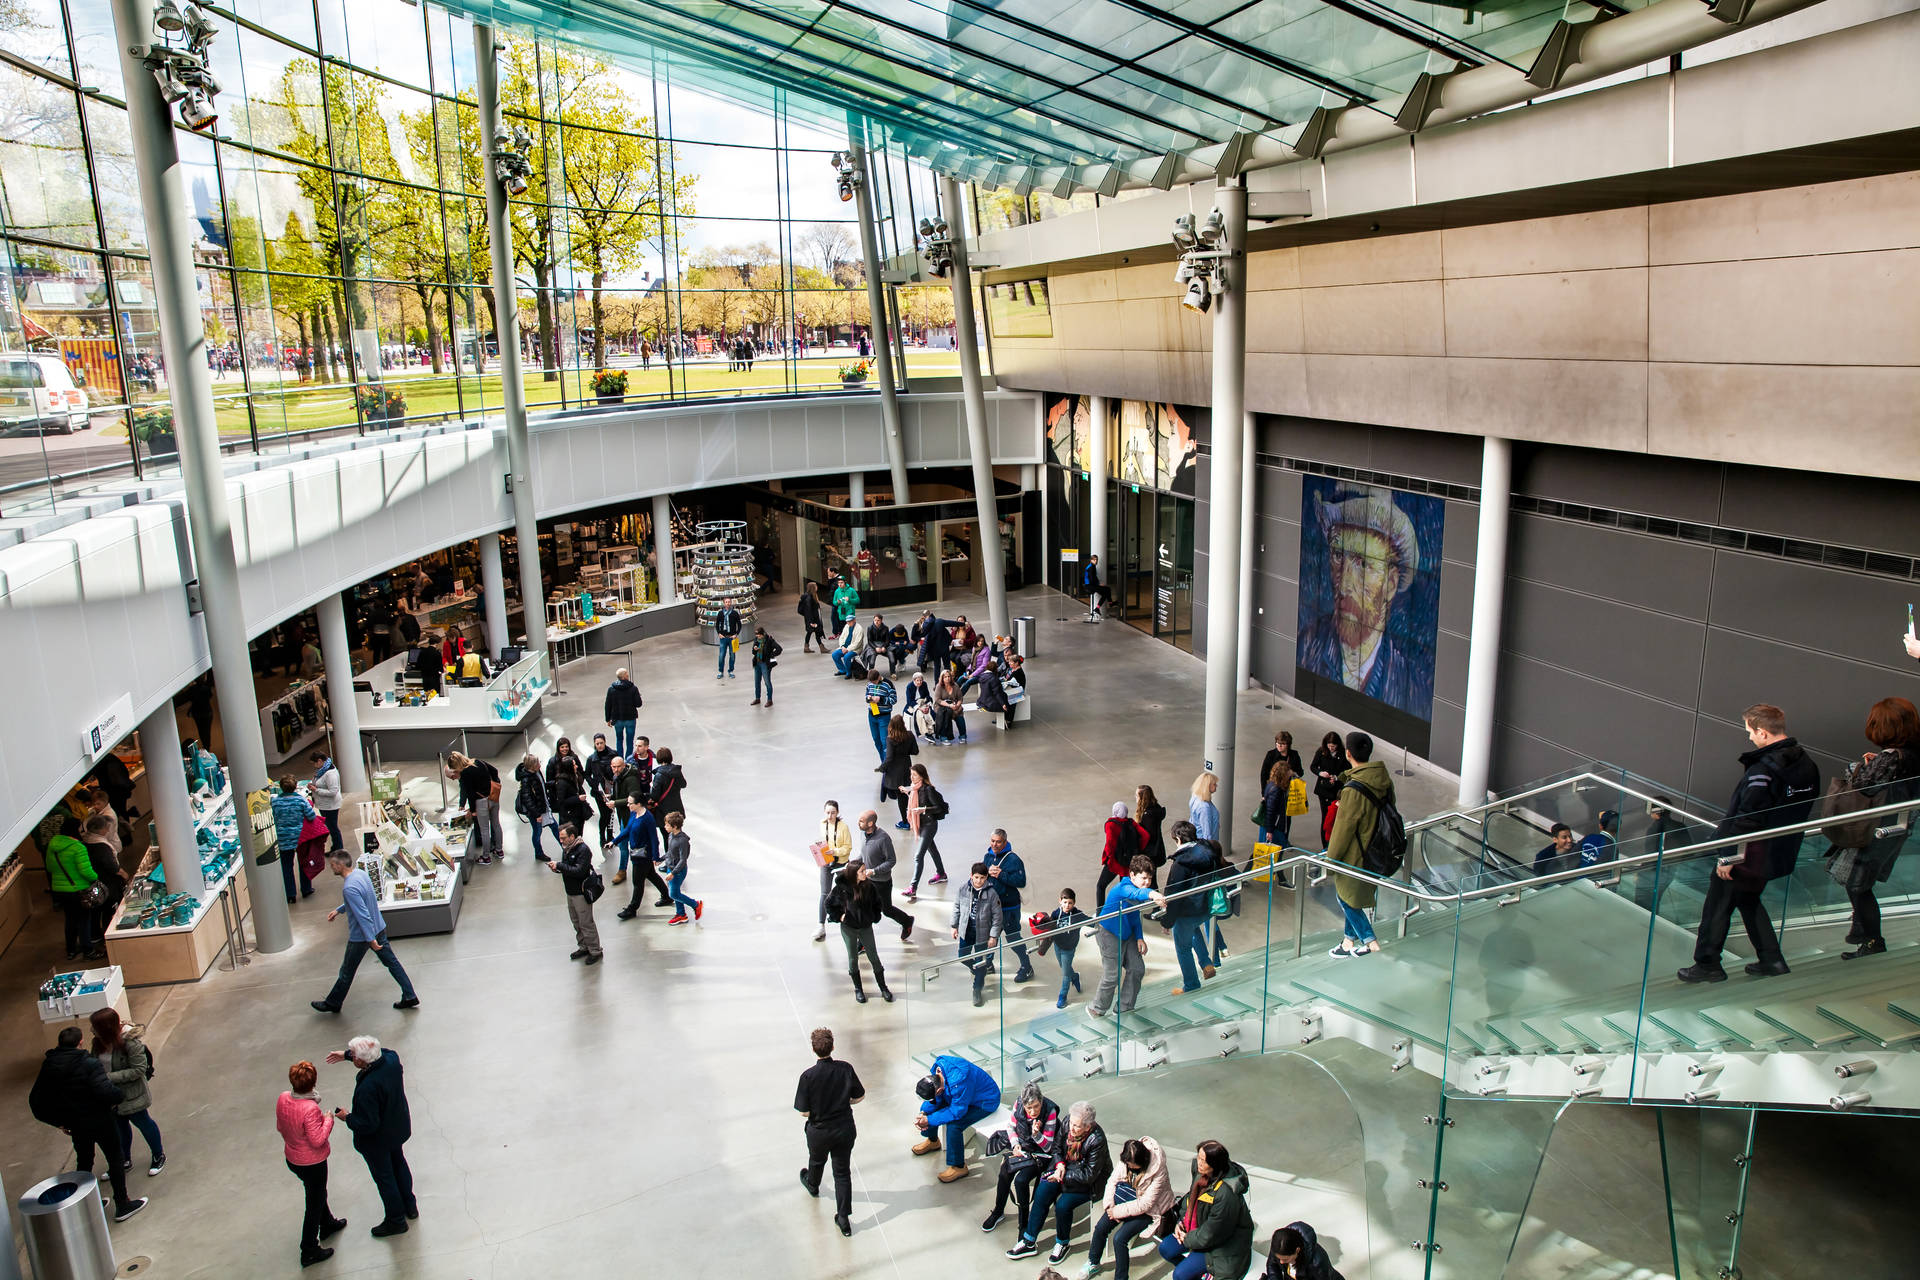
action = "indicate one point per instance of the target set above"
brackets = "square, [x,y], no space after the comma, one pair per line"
[1708,1153]
[1488,1160]
[953,1006]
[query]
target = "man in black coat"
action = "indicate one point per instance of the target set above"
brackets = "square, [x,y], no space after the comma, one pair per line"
[622,711]
[381,1125]
[72,1093]
[1777,789]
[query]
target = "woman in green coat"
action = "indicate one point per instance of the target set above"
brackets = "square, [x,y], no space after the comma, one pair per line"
[1214,1233]
[69,872]
[1362,790]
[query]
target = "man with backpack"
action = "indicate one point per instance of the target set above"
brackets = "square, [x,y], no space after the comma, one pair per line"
[1367,833]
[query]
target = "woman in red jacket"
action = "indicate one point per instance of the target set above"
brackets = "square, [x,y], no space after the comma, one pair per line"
[304,1127]
[1125,838]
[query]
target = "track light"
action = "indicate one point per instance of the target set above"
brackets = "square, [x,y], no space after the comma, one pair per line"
[936,242]
[168,18]
[1203,254]
[1183,237]
[846,168]
[181,69]
[512,166]
[1199,297]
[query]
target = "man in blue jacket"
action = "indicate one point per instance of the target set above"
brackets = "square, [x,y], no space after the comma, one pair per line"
[381,1124]
[366,931]
[1123,946]
[957,1095]
[1009,876]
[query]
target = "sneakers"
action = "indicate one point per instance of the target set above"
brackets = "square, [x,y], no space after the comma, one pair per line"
[1702,973]
[1061,1003]
[131,1208]
[840,1221]
[1867,947]
[160,1162]
[1347,950]
[910,893]
[820,934]
[321,1006]
[993,1220]
[926,1146]
[592,960]
[1091,1270]
[906,933]
[1022,1249]
[625,913]
[979,997]
[1058,1253]
[392,1227]
[680,918]
[318,1255]
[939,879]
[699,908]
[1025,974]
[901,826]
[954,1172]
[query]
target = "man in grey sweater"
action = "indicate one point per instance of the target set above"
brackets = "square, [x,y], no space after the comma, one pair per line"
[977,926]
[876,850]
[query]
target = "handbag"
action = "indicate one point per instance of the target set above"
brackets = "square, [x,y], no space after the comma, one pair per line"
[593,888]
[95,894]
[1296,798]
[314,829]
[1219,902]
[1840,801]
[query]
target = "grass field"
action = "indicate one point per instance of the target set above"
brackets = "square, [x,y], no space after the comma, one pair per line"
[316,406]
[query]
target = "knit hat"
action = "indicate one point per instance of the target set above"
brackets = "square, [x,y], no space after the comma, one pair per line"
[1373,509]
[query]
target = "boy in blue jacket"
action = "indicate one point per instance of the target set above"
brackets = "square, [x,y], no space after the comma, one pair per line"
[1123,946]
[1072,918]
[958,1095]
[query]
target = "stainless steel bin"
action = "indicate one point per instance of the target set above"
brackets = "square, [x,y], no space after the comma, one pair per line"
[1024,632]
[66,1229]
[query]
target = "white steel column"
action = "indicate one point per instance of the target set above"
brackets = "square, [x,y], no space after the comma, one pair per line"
[1249,525]
[1224,502]
[857,501]
[669,583]
[493,593]
[513,395]
[167,791]
[345,712]
[183,347]
[1097,491]
[1489,598]
[993,556]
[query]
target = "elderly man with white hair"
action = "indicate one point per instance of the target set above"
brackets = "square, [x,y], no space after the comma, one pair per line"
[381,1125]
[1373,558]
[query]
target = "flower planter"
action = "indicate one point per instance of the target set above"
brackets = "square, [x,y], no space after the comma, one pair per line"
[853,383]
[611,399]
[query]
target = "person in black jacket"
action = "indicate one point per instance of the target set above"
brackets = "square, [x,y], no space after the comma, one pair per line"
[826,1096]
[1282,749]
[809,611]
[854,904]
[726,625]
[72,1093]
[896,772]
[485,840]
[599,770]
[1191,868]
[1329,762]
[1296,1254]
[1079,1174]
[567,786]
[622,711]
[1778,789]
[669,782]
[381,1124]
[573,868]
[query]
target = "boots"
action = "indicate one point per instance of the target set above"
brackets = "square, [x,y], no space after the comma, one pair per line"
[859,992]
[880,984]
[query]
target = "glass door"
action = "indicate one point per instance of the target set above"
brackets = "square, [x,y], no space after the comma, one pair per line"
[1134,573]
[1173,572]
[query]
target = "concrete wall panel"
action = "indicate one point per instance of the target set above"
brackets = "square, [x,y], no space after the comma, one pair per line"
[1578,315]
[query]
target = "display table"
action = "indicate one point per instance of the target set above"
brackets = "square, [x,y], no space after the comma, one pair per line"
[492,712]
[76,995]
[182,952]
[419,893]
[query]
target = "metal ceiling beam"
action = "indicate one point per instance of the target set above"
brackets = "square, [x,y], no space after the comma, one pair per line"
[1272,61]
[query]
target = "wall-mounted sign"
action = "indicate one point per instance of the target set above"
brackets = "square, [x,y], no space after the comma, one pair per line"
[1069,555]
[114,724]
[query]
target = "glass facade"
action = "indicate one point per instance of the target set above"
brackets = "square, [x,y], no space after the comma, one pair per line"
[672,243]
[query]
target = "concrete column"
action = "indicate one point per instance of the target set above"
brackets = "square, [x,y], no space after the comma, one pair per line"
[338,656]
[1097,468]
[991,568]
[493,593]
[1249,525]
[513,397]
[669,584]
[857,501]
[1224,506]
[167,790]
[1489,597]
[183,346]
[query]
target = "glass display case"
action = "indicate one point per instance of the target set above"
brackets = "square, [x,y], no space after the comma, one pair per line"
[417,870]
[515,689]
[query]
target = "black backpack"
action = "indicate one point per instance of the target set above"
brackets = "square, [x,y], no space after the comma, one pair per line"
[937,805]
[1386,848]
[150,1061]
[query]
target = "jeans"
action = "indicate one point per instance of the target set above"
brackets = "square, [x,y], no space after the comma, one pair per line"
[313,1181]
[839,657]
[833,1143]
[957,1133]
[143,1121]
[1118,958]
[1122,1234]
[107,1138]
[484,837]
[1010,926]
[1723,899]
[1063,956]
[551,824]
[680,899]
[289,868]
[623,731]
[1048,1195]
[356,952]
[1186,1266]
[763,672]
[1190,948]
[728,656]
[877,726]
[1359,928]
[928,828]
[79,923]
[332,818]
[980,967]
[393,1179]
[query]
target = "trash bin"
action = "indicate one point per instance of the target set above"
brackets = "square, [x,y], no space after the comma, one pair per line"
[66,1229]
[1024,632]
[9,1256]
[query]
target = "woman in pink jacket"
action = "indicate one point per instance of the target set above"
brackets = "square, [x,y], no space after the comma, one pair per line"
[304,1127]
[1137,1194]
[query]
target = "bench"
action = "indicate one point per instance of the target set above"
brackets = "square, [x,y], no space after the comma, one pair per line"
[1022,710]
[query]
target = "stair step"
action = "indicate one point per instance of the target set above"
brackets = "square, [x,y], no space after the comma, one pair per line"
[1596,1032]
[1518,1035]
[1874,1021]
[1906,1007]
[1464,1042]
[1689,1029]
[1560,1037]
[1742,1023]
[1807,1022]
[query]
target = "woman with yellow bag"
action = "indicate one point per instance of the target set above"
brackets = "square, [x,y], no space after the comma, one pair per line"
[1283,800]
[830,853]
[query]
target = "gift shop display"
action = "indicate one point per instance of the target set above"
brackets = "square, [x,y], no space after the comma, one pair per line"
[159,936]
[417,870]
[723,575]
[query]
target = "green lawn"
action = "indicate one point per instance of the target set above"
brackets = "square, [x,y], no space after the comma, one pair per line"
[314,406]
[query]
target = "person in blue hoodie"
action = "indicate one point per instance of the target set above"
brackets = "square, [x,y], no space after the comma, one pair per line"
[1009,875]
[1123,946]
[1604,844]
[1071,919]
[957,1095]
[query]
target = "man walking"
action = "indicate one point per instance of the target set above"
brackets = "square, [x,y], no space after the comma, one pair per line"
[1123,945]
[366,930]
[1777,790]
[381,1125]
[828,1089]
[766,650]
[976,926]
[880,699]
[573,868]
[1009,875]
[622,711]
[726,625]
[72,1093]
[1095,593]
[877,852]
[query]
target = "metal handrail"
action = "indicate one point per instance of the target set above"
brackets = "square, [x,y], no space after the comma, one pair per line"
[1308,858]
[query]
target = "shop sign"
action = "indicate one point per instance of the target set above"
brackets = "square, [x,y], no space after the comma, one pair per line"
[104,733]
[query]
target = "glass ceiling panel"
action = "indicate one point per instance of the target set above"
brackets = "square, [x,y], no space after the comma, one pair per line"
[1082,82]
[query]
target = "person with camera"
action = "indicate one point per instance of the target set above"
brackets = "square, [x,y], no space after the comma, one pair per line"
[575,869]
[1034,1136]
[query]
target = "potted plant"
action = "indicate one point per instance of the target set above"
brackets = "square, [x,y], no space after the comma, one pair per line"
[610,386]
[153,427]
[855,374]
[378,404]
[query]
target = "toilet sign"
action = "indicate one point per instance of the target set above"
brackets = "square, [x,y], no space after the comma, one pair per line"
[104,733]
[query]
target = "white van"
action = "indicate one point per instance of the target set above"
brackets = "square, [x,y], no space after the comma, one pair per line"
[37,393]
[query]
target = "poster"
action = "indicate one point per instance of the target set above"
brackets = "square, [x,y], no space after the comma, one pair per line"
[1370,590]
[1154,445]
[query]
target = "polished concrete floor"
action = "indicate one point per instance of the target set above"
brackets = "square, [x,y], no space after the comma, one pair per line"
[637,1116]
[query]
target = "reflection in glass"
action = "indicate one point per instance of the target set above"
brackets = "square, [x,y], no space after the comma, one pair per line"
[43,171]
[31,29]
